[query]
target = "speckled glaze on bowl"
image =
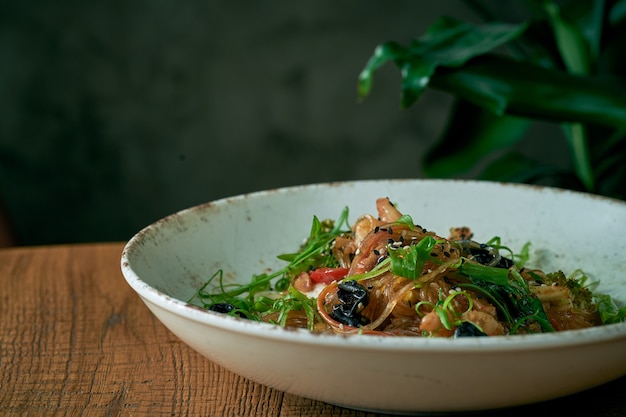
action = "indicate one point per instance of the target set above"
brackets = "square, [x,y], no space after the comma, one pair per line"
[168,261]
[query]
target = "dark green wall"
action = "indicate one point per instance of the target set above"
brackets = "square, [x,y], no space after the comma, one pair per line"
[117,113]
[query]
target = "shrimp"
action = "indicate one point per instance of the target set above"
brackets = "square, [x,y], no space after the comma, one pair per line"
[387,212]
[485,321]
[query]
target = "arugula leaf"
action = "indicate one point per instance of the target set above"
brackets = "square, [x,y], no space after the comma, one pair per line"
[245,299]
[295,301]
[407,220]
[520,258]
[510,292]
[481,273]
[408,261]
[316,251]
[608,310]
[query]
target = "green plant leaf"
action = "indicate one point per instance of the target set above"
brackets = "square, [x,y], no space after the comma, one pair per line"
[471,135]
[618,11]
[519,88]
[515,167]
[451,42]
[448,42]
[569,70]
[572,46]
[590,17]
[384,53]
[610,152]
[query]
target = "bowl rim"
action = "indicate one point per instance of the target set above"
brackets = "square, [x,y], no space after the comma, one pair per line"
[150,295]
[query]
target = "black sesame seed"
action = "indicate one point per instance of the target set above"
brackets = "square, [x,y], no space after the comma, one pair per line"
[376,252]
[390,241]
[446,254]
[376,229]
[390,230]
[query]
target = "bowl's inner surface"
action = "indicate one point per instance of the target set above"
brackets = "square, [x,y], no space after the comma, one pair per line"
[243,235]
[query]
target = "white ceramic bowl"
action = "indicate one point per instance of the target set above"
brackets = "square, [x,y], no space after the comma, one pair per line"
[169,260]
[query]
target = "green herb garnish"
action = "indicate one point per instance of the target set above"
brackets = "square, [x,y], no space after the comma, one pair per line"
[254,300]
[509,291]
[408,261]
[609,311]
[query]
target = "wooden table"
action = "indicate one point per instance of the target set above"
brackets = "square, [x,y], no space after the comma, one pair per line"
[76,340]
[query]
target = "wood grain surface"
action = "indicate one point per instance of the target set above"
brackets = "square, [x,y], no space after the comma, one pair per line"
[76,340]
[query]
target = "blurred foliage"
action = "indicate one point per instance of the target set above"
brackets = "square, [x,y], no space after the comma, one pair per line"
[565,65]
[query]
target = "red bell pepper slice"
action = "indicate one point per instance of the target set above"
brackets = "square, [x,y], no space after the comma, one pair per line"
[327,275]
